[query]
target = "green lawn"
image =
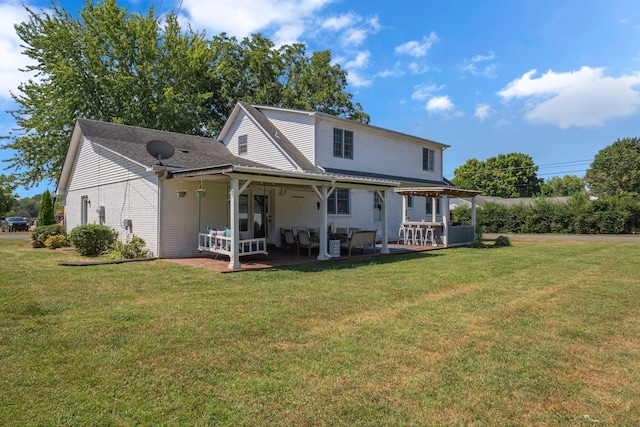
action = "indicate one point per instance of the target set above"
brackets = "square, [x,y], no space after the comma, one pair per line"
[537,333]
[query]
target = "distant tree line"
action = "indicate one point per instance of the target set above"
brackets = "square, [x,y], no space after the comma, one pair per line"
[578,215]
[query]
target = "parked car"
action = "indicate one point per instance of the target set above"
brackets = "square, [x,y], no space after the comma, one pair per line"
[15,223]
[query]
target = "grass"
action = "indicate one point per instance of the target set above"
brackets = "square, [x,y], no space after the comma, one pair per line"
[537,333]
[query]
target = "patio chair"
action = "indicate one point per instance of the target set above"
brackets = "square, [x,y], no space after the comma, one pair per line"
[305,241]
[289,240]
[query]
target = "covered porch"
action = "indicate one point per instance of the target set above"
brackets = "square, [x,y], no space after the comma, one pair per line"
[271,199]
[438,224]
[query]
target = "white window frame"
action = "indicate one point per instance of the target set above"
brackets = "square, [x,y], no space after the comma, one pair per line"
[428,159]
[341,147]
[339,194]
[243,144]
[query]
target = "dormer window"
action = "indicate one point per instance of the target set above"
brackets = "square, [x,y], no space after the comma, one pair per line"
[242,144]
[342,143]
[428,159]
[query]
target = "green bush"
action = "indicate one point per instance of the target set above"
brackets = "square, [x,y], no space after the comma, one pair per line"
[132,249]
[40,235]
[56,241]
[92,239]
[579,215]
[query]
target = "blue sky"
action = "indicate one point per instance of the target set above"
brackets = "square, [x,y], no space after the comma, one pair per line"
[557,80]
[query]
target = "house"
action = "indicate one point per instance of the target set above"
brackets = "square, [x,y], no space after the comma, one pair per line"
[269,168]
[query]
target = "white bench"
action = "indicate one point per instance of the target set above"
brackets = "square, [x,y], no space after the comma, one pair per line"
[222,245]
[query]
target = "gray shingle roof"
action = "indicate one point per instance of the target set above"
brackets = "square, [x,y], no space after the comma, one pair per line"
[191,152]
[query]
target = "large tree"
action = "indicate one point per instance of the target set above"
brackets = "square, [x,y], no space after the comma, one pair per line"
[615,169]
[567,185]
[506,175]
[108,64]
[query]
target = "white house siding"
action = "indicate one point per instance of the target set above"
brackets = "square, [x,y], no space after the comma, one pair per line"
[377,152]
[297,127]
[259,147]
[123,189]
[184,217]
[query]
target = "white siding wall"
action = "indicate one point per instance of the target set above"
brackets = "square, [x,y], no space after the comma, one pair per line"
[124,189]
[298,128]
[376,152]
[183,218]
[299,209]
[260,147]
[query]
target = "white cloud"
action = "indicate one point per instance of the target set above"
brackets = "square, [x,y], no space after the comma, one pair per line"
[483,111]
[337,23]
[10,50]
[396,71]
[353,67]
[354,36]
[480,65]
[439,104]
[423,92]
[586,97]
[241,18]
[416,48]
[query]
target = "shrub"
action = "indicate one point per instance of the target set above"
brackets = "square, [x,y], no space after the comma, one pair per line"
[40,235]
[56,241]
[92,239]
[134,248]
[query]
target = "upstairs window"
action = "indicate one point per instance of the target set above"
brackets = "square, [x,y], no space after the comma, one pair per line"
[342,143]
[242,144]
[338,202]
[428,159]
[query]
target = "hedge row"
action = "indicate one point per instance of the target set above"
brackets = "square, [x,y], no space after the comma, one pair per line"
[579,215]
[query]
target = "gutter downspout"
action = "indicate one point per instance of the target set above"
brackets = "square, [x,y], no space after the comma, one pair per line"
[159,215]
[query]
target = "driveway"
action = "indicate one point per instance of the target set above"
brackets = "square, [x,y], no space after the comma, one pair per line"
[18,235]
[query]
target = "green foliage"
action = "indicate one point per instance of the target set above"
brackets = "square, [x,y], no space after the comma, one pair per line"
[106,63]
[92,239]
[131,249]
[579,215]
[46,216]
[615,169]
[507,175]
[56,241]
[7,199]
[568,185]
[40,235]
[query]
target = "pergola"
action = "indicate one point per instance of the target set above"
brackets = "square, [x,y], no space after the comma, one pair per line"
[441,194]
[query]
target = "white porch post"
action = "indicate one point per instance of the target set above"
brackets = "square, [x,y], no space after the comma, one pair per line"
[444,208]
[385,238]
[234,212]
[434,209]
[323,252]
[405,207]
[473,215]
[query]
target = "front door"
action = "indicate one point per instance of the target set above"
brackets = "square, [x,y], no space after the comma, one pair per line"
[261,215]
[377,211]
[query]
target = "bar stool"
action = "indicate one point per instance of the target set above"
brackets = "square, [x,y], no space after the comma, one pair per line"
[429,236]
[402,234]
[409,233]
[418,235]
